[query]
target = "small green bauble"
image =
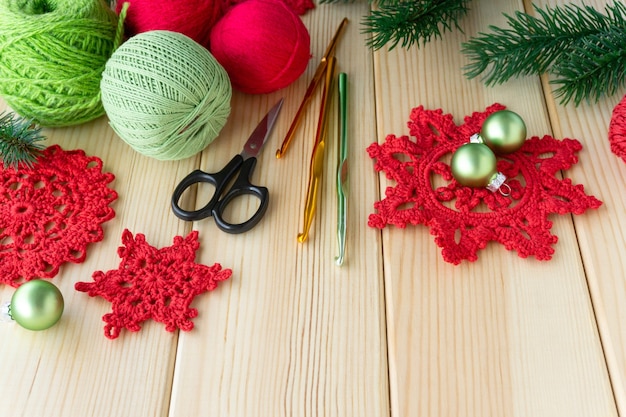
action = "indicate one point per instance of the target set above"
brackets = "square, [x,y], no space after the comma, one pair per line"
[473,165]
[37,305]
[504,132]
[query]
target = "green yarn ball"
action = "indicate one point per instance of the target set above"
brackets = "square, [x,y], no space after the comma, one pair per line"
[52,54]
[165,95]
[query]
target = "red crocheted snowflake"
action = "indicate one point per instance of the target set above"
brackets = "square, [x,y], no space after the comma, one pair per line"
[153,283]
[617,130]
[463,219]
[50,212]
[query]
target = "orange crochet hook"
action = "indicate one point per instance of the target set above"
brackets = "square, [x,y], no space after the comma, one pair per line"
[317,77]
[317,159]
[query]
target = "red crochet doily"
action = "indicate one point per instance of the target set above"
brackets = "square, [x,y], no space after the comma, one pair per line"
[617,130]
[153,283]
[463,219]
[50,212]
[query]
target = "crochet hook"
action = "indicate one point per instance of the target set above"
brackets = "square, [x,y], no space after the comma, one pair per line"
[342,168]
[317,158]
[317,77]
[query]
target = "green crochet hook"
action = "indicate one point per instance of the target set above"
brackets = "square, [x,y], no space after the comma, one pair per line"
[342,168]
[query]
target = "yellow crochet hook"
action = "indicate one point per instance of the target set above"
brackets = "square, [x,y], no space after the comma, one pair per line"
[317,77]
[317,158]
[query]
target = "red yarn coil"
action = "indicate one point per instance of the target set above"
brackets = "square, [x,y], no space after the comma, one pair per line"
[193,18]
[262,44]
[298,6]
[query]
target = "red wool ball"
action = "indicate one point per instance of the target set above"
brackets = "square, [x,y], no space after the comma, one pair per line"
[262,44]
[193,18]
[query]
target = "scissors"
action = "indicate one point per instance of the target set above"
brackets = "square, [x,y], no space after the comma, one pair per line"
[243,163]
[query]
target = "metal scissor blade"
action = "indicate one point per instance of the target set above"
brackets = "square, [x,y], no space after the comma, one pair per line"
[261,132]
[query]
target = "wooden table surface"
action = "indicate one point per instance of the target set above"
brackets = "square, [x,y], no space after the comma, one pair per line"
[395,331]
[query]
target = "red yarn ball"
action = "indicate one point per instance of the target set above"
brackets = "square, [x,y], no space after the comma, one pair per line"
[262,44]
[193,18]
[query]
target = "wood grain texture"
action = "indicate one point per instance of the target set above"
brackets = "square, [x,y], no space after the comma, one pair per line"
[72,369]
[601,233]
[294,334]
[396,331]
[504,335]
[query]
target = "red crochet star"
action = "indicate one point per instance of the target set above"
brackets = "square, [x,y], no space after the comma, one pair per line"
[617,129]
[153,283]
[50,213]
[463,219]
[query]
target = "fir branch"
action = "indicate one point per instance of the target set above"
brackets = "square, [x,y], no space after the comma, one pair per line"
[597,67]
[584,49]
[19,141]
[411,22]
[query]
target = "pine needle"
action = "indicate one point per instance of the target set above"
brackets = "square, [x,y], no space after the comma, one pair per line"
[584,49]
[19,141]
[409,22]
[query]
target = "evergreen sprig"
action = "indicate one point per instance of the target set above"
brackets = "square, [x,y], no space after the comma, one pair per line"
[584,50]
[405,23]
[19,141]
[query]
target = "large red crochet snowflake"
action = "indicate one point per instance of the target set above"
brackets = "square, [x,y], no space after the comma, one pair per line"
[50,212]
[153,283]
[463,219]
[617,129]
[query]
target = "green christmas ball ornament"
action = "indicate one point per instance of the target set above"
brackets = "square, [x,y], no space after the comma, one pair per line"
[473,165]
[37,305]
[503,131]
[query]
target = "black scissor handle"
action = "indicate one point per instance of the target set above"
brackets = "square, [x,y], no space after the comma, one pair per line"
[242,186]
[219,180]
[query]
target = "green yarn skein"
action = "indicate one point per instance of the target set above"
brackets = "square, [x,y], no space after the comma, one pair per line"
[52,54]
[165,95]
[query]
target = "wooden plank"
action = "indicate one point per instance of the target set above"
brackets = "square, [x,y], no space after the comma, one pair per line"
[291,333]
[503,335]
[72,369]
[601,232]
